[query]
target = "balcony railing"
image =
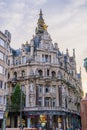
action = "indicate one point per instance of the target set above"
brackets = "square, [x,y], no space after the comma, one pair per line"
[57,108]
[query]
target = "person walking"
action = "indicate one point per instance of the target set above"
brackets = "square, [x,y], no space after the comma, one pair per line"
[56,128]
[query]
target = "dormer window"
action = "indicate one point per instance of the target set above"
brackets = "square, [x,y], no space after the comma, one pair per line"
[23,59]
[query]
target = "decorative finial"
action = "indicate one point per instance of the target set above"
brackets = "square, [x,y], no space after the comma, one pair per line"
[67,51]
[74,53]
[80,70]
[41,14]
[40,11]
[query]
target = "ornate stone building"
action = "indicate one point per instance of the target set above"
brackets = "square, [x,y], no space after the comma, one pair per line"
[49,79]
[4,50]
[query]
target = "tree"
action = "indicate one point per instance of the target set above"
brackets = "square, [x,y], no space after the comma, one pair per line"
[18,98]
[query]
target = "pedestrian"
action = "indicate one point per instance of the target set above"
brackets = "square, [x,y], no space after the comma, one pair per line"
[76,128]
[56,128]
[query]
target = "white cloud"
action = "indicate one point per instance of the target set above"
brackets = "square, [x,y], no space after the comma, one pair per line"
[78,2]
[38,2]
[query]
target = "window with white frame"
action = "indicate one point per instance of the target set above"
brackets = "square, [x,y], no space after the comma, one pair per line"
[47,101]
[46,58]
[23,59]
[23,89]
[40,88]
[54,102]
[0,99]
[40,101]
[47,89]
[2,42]
[1,56]
[1,69]
[22,73]
[43,58]
[54,88]
[5,85]
[4,100]
[1,84]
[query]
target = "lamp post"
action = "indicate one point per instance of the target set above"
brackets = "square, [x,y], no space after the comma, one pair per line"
[5,115]
[51,115]
[21,110]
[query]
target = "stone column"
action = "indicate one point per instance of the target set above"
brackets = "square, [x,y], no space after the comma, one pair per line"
[57,96]
[43,97]
[27,95]
[51,123]
[28,122]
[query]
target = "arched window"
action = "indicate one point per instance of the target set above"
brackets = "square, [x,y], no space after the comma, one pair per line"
[40,73]
[15,74]
[53,74]
[23,73]
[31,72]
[59,75]
[8,75]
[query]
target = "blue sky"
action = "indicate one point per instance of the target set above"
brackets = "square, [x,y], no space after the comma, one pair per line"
[66,20]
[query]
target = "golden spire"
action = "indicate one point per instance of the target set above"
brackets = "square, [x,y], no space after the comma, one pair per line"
[41,24]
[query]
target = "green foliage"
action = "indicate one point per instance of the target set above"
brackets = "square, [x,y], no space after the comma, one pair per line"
[18,98]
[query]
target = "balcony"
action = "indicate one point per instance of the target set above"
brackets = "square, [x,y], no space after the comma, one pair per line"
[45,109]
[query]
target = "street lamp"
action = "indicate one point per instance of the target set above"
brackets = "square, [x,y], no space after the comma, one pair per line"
[5,115]
[51,115]
[21,110]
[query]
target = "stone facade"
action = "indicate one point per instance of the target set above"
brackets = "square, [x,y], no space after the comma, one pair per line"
[48,78]
[4,51]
